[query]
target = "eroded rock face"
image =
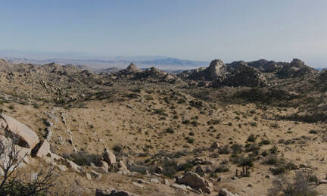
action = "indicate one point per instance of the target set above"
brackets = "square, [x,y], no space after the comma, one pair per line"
[240,74]
[195,181]
[296,68]
[265,66]
[216,69]
[234,74]
[26,137]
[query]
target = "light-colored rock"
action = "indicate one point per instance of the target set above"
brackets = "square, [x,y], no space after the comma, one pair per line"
[179,186]
[109,156]
[44,149]
[122,168]
[95,174]
[27,137]
[195,181]
[88,176]
[112,192]
[62,167]
[138,184]
[225,192]
[23,154]
[154,180]
[74,166]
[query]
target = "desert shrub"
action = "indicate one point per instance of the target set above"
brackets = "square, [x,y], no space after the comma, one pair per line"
[160,111]
[190,140]
[252,148]
[185,122]
[213,122]
[272,160]
[148,97]
[84,158]
[196,104]
[251,138]
[117,148]
[170,130]
[265,142]
[236,148]
[313,132]
[300,186]
[169,168]
[274,125]
[222,168]
[253,124]
[224,150]
[273,150]
[187,166]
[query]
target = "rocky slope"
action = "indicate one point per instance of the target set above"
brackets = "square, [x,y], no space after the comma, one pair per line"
[147,132]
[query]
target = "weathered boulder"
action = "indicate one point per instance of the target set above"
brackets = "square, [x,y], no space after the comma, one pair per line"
[109,156]
[26,137]
[44,149]
[195,181]
[225,192]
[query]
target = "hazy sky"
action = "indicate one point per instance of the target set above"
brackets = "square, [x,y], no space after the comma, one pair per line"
[191,29]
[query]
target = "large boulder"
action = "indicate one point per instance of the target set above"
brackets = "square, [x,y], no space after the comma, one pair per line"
[195,181]
[26,136]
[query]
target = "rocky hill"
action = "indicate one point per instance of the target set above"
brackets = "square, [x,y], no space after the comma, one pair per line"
[228,129]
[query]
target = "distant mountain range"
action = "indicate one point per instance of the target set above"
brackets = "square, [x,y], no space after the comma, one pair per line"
[165,63]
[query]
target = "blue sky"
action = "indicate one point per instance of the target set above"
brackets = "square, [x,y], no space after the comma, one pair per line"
[190,29]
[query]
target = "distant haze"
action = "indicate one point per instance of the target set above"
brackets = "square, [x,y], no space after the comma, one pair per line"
[186,29]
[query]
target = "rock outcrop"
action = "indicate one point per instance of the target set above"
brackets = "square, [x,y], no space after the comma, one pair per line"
[234,74]
[26,137]
[240,74]
[296,68]
[216,69]
[195,181]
